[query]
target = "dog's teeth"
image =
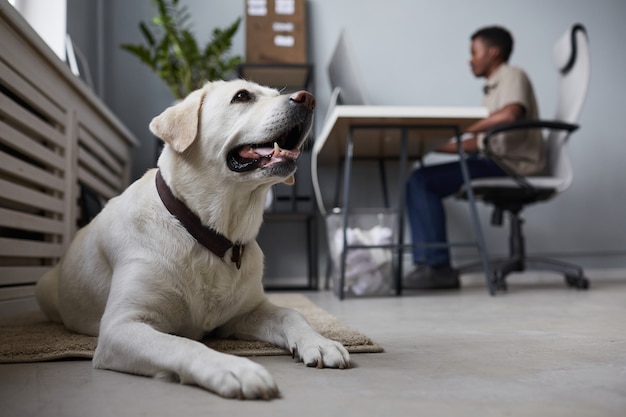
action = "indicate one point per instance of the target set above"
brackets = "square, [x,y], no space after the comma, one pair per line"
[277,149]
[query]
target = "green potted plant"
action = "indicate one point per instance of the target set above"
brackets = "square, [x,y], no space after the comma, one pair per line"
[171,50]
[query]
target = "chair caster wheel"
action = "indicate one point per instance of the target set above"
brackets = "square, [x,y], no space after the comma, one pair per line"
[578,282]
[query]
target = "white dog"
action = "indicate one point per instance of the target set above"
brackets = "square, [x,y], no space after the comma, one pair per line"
[175,256]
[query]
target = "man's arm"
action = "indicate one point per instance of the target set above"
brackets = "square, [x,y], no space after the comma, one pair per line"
[507,114]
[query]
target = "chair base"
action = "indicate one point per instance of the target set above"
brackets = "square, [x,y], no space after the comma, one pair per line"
[517,261]
[502,267]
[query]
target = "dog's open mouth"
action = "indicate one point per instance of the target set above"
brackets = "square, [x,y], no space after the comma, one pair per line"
[284,148]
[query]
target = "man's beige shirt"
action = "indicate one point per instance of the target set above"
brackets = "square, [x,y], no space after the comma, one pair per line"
[522,151]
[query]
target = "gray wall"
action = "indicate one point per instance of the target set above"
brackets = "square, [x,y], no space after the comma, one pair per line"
[416,52]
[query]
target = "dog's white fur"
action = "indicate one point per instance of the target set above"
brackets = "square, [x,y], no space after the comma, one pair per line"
[135,278]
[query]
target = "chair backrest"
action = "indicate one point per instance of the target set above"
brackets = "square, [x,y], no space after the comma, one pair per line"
[571,57]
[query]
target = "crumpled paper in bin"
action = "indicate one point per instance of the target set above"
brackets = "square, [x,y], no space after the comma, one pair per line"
[368,271]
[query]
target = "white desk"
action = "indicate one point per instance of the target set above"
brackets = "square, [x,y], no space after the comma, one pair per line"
[353,132]
[330,144]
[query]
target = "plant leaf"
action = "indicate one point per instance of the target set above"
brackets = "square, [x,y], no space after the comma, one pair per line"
[146,33]
[140,52]
[173,53]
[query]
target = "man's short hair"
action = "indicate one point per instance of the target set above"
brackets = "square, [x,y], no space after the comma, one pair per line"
[496,36]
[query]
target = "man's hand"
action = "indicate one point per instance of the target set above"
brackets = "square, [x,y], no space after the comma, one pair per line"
[468,142]
[507,114]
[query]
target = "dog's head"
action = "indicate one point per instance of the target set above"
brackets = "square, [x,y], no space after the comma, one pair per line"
[249,131]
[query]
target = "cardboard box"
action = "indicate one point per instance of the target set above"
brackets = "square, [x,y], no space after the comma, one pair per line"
[276,31]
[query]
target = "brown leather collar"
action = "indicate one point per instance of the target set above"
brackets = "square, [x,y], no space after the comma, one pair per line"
[207,237]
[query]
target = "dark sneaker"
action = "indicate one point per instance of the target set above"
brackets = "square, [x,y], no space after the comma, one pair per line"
[429,278]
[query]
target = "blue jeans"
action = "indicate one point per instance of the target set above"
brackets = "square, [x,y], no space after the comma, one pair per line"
[425,190]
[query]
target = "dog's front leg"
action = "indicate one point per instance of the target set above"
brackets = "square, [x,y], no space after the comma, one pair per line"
[128,345]
[288,329]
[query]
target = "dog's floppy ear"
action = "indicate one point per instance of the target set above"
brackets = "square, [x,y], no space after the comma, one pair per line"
[178,124]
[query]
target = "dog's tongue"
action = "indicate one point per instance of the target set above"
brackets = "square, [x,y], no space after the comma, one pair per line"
[273,155]
[270,156]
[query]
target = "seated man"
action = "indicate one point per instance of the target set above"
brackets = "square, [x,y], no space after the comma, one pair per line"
[509,97]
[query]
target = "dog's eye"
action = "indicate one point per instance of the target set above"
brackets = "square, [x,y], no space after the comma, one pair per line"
[242,96]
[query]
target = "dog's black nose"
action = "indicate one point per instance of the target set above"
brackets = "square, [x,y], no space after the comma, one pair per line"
[304,98]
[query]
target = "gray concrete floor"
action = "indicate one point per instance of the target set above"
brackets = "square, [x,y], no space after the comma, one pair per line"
[539,350]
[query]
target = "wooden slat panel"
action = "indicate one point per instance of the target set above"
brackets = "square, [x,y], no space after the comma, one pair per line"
[12,275]
[26,145]
[32,96]
[22,291]
[103,132]
[29,222]
[29,248]
[86,139]
[52,125]
[29,122]
[85,177]
[36,62]
[96,167]
[71,160]
[19,194]
[25,171]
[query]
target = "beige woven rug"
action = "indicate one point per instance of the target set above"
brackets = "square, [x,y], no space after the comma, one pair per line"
[31,338]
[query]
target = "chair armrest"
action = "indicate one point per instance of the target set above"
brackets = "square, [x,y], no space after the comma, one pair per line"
[520,125]
[528,124]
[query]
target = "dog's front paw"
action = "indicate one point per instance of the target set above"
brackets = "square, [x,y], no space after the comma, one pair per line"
[320,352]
[237,377]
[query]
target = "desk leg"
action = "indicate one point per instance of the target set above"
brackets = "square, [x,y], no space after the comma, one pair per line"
[478,232]
[383,181]
[404,152]
[346,207]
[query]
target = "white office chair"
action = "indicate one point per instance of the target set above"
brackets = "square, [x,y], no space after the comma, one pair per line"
[511,194]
